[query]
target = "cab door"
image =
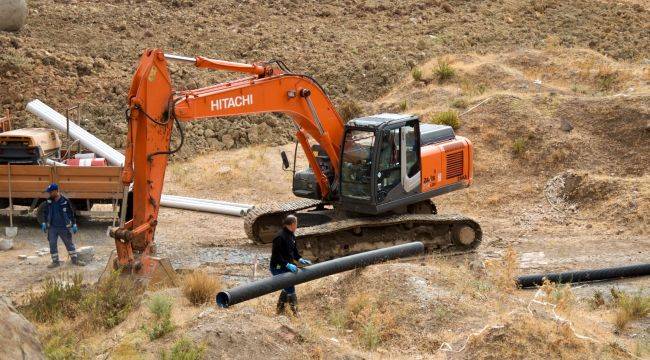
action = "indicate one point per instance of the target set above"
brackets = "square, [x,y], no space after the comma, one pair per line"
[398,163]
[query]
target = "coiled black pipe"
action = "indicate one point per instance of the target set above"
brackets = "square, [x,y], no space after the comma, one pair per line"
[526,281]
[266,286]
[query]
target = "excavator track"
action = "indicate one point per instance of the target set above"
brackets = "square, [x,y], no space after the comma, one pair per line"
[334,237]
[263,222]
[440,233]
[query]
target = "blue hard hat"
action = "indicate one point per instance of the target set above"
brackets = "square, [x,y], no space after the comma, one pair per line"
[52,187]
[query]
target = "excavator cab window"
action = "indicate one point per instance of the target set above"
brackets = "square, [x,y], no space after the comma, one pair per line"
[389,169]
[356,164]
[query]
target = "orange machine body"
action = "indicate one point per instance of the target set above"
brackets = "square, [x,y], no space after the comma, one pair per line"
[447,163]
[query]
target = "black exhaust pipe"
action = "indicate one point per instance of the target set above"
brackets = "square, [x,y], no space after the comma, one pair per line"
[527,281]
[266,286]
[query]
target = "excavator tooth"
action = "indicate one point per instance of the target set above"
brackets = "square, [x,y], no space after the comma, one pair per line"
[148,271]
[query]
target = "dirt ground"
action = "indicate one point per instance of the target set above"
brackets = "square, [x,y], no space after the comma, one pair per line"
[554,95]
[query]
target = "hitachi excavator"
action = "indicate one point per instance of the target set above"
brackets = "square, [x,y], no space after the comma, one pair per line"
[369,182]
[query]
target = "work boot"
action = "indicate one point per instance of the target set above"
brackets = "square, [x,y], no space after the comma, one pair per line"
[293,303]
[54,264]
[76,261]
[281,301]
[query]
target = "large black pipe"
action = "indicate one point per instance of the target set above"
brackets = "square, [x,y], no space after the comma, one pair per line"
[527,281]
[274,283]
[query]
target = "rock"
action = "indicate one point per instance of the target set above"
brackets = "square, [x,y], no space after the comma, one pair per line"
[19,338]
[22,257]
[6,244]
[12,14]
[565,125]
[86,253]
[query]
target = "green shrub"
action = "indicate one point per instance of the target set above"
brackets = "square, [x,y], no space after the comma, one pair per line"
[61,347]
[403,105]
[112,300]
[161,308]
[630,307]
[460,103]
[449,117]
[519,146]
[61,297]
[444,71]
[417,74]
[184,349]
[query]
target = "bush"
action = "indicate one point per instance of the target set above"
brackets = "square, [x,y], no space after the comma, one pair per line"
[449,117]
[460,103]
[184,349]
[629,308]
[606,78]
[61,347]
[349,109]
[161,308]
[519,146]
[417,74]
[369,319]
[200,288]
[61,297]
[403,105]
[113,298]
[444,71]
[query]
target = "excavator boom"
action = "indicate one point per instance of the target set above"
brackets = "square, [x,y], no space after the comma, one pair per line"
[154,108]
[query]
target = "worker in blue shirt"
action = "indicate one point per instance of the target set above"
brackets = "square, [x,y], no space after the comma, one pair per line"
[59,221]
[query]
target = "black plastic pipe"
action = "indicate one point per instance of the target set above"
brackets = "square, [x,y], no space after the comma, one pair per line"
[526,281]
[274,283]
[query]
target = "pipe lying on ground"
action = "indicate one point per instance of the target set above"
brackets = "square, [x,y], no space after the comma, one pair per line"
[526,281]
[205,206]
[274,283]
[114,157]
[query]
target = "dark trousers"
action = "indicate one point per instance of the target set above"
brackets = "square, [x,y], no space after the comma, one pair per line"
[53,235]
[291,289]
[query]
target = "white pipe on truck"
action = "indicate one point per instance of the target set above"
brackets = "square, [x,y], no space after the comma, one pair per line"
[114,157]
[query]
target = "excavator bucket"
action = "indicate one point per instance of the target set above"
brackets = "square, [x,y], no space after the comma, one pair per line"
[155,271]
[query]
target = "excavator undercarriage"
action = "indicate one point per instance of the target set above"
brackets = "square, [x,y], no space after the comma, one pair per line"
[325,233]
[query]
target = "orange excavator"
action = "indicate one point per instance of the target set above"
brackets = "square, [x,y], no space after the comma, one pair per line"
[369,182]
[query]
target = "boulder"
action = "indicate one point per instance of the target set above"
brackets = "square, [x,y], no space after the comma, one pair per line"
[12,14]
[19,339]
[86,253]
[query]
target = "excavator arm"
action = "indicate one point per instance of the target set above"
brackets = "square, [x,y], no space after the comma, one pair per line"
[154,108]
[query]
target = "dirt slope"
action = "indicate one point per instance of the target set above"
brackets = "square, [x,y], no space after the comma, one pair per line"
[83,52]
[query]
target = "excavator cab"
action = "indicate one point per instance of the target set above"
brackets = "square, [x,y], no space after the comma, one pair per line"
[380,162]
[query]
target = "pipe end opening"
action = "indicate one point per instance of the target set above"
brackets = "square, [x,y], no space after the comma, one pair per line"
[223,299]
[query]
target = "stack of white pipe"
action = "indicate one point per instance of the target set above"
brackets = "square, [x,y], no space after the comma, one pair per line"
[114,157]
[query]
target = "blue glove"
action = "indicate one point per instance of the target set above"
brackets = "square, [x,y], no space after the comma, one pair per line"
[293,268]
[44,227]
[75,229]
[304,261]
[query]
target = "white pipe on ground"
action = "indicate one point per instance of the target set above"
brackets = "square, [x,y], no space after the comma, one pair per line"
[114,157]
[207,201]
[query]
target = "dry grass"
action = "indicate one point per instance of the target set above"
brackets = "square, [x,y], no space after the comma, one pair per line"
[629,308]
[200,288]
[559,295]
[502,272]
[349,109]
[416,73]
